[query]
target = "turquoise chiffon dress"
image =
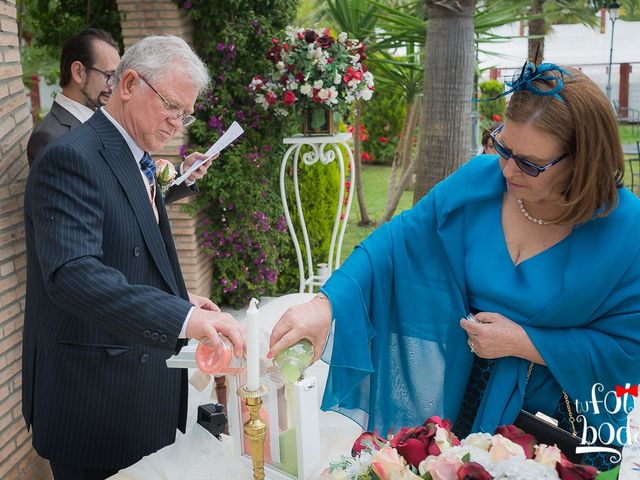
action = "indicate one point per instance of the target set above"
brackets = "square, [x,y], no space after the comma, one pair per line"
[495,284]
[397,354]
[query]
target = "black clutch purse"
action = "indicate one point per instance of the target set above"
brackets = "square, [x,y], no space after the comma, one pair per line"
[548,432]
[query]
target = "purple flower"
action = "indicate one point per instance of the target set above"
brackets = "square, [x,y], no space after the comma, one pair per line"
[186,5]
[256,27]
[220,47]
[182,151]
[240,115]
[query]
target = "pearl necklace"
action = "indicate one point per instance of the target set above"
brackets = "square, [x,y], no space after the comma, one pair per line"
[528,216]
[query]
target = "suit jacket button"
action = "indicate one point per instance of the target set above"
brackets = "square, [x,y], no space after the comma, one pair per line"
[144,357]
[163,338]
[136,252]
[155,336]
[146,333]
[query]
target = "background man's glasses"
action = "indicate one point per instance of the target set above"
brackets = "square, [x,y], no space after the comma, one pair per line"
[526,166]
[172,109]
[108,77]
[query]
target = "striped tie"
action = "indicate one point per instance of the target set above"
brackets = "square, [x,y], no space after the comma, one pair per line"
[148,167]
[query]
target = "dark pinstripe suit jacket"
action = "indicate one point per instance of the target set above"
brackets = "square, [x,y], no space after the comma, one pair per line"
[104,307]
[60,121]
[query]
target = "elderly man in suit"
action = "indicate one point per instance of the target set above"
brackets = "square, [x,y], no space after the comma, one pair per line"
[87,64]
[106,301]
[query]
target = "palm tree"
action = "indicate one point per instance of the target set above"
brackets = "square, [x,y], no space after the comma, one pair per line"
[448,86]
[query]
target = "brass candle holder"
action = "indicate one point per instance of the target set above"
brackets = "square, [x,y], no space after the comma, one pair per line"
[255,428]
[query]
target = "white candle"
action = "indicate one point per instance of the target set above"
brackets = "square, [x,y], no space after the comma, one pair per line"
[253,346]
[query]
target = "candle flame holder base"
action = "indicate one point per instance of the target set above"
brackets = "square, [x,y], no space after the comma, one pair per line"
[255,428]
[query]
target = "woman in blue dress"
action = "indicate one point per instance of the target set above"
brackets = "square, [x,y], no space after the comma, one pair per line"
[541,242]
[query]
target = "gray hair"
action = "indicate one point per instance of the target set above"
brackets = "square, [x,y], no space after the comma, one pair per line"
[153,56]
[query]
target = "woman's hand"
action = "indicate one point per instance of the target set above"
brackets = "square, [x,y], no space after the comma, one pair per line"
[310,320]
[495,336]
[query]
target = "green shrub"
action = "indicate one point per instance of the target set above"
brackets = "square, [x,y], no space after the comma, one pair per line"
[491,111]
[245,232]
[382,120]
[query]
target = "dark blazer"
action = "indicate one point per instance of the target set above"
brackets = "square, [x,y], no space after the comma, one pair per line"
[54,124]
[60,121]
[105,304]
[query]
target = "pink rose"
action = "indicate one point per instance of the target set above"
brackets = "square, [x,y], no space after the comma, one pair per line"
[443,467]
[570,471]
[517,435]
[387,464]
[472,471]
[503,448]
[548,455]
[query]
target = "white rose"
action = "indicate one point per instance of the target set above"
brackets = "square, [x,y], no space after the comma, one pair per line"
[317,84]
[481,441]
[323,94]
[342,37]
[338,79]
[503,448]
[442,439]
[305,89]
[366,94]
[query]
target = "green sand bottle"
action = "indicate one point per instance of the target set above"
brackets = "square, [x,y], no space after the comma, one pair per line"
[293,361]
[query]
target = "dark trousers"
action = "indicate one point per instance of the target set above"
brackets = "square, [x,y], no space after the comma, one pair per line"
[69,472]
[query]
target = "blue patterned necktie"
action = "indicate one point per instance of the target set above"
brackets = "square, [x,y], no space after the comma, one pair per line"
[148,167]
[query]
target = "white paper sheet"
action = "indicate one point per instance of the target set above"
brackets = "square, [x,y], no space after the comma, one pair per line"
[233,132]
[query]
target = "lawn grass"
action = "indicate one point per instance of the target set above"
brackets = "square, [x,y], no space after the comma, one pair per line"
[375,179]
[628,134]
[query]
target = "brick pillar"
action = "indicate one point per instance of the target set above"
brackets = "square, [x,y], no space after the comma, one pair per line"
[17,459]
[164,17]
[623,95]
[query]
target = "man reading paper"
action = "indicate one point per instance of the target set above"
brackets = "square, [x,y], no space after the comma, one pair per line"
[106,301]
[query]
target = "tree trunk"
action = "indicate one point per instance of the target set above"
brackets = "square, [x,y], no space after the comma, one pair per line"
[364,216]
[448,87]
[536,27]
[405,158]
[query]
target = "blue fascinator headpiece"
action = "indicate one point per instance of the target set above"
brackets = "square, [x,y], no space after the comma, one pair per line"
[524,80]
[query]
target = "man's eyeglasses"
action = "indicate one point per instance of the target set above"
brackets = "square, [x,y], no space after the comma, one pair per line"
[109,78]
[172,109]
[526,166]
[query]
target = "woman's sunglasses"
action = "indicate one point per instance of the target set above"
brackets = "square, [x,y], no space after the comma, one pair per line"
[526,166]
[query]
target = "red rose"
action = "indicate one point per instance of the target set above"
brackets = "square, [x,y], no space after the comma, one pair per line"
[369,438]
[517,435]
[366,157]
[383,139]
[413,443]
[570,471]
[495,117]
[289,98]
[310,36]
[472,471]
[325,41]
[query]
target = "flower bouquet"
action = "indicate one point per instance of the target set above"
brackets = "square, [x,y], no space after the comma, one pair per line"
[313,71]
[432,452]
[165,173]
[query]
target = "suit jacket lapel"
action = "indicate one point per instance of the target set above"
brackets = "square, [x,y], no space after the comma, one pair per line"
[167,237]
[118,156]
[63,116]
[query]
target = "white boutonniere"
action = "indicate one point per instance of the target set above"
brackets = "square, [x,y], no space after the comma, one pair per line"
[165,173]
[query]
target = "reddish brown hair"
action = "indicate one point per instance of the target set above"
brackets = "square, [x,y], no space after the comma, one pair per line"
[584,123]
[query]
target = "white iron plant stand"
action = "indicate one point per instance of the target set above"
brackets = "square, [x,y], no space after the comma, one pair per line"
[324,149]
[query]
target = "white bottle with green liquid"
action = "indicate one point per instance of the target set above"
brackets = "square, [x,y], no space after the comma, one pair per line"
[293,361]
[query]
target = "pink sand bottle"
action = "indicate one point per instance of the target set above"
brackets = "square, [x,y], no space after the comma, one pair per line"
[210,362]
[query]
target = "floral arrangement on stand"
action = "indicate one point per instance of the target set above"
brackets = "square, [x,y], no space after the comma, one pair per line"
[313,71]
[432,452]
